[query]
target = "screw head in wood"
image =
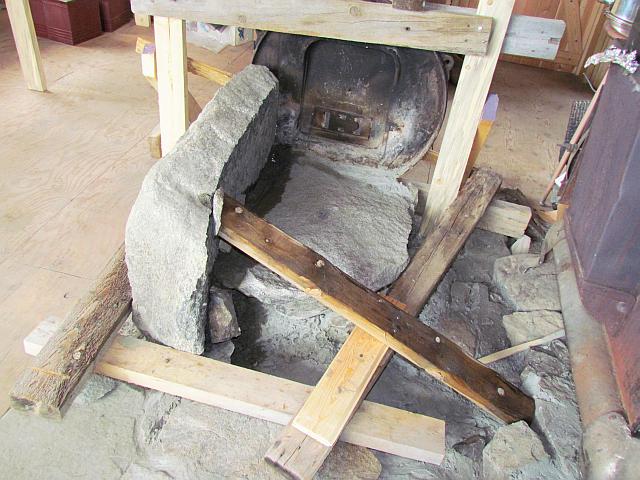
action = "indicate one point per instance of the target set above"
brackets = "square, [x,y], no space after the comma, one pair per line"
[438,340]
[320,264]
[501,391]
[239,210]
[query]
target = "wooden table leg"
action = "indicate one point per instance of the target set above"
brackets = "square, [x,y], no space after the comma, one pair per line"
[24,35]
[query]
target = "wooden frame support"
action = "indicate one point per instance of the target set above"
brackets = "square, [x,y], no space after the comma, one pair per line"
[358,20]
[304,444]
[466,110]
[373,313]
[252,393]
[434,28]
[171,58]
[24,35]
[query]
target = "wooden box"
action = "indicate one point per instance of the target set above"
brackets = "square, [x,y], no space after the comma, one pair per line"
[114,14]
[69,22]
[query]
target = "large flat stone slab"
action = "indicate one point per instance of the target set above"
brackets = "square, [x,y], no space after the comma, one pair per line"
[171,232]
[192,441]
[358,218]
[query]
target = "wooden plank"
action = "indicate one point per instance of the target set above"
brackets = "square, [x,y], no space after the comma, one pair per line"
[207,71]
[142,20]
[48,384]
[574,26]
[24,35]
[417,342]
[527,36]
[331,404]
[171,57]
[507,352]
[259,395]
[355,20]
[506,218]
[155,143]
[466,110]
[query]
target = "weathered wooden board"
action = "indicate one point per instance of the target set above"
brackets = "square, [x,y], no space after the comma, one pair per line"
[254,394]
[49,383]
[527,36]
[356,20]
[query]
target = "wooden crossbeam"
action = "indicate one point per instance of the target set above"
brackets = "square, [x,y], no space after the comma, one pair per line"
[527,36]
[415,341]
[46,387]
[355,20]
[252,393]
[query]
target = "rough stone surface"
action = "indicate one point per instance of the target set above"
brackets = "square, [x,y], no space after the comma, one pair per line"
[170,234]
[512,448]
[547,378]
[223,323]
[91,442]
[95,388]
[475,261]
[191,441]
[525,285]
[317,207]
[524,326]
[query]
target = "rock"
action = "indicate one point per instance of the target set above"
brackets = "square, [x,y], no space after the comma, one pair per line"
[547,378]
[479,329]
[92,441]
[279,345]
[189,440]
[170,235]
[521,245]
[317,206]
[140,472]
[524,326]
[513,448]
[129,329]
[223,324]
[220,351]
[95,388]
[525,285]
[475,261]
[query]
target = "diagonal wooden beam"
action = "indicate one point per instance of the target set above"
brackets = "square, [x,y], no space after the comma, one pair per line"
[380,318]
[349,377]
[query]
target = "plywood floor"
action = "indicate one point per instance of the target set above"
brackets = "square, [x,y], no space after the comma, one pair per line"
[72,159]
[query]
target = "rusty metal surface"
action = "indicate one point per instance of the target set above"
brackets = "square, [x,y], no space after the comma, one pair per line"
[358,103]
[603,228]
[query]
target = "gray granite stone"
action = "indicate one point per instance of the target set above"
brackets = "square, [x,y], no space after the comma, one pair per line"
[171,232]
[512,448]
[525,285]
[524,326]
